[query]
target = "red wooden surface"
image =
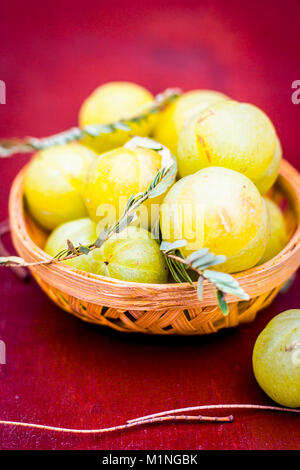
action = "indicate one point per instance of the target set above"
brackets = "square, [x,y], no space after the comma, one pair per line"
[59,370]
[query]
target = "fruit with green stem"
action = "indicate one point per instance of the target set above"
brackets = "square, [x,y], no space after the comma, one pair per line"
[218,209]
[276,359]
[172,119]
[268,178]
[110,103]
[54,183]
[131,255]
[234,135]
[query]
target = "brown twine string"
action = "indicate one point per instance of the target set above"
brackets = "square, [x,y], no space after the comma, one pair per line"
[214,407]
[121,427]
[162,417]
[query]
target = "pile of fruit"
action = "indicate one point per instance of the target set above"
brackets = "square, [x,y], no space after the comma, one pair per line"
[228,156]
[213,212]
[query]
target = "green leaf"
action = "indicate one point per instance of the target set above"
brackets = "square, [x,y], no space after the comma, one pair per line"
[212,262]
[101,238]
[225,283]
[219,276]
[167,246]
[84,249]
[122,126]
[222,303]
[200,288]
[9,147]
[96,130]
[178,271]
[61,254]
[130,201]
[146,143]
[167,179]
[173,270]
[203,261]
[124,222]
[196,255]
[155,230]
[71,247]
[288,284]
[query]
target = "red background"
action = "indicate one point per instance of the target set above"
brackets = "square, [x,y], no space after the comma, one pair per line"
[64,372]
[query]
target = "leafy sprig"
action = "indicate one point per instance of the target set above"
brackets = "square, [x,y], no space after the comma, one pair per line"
[161,182]
[9,147]
[199,261]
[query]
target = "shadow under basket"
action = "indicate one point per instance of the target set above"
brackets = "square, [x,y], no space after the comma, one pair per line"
[158,308]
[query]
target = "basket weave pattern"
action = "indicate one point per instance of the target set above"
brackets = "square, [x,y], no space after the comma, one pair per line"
[158,308]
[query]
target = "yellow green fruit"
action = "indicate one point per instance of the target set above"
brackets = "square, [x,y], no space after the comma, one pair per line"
[276,359]
[278,236]
[219,209]
[268,178]
[131,255]
[54,183]
[80,231]
[234,135]
[114,177]
[110,103]
[172,119]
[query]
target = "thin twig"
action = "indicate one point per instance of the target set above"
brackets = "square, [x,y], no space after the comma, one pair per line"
[163,179]
[9,147]
[214,407]
[21,272]
[128,425]
[179,259]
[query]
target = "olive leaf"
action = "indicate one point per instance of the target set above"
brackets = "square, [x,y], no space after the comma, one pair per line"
[82,249]
[200,288]
[71,247]
[222,302]
[168,247]
[101,238]
[9,147]
[199,261]
[225,283]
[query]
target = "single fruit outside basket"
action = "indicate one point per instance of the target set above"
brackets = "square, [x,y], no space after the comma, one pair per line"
[276,359]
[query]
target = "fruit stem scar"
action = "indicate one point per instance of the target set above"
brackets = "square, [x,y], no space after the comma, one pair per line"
[225,219]
[293,346]
[201,140]
[208,114]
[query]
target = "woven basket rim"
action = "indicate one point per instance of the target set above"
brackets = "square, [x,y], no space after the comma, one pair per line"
[251,280]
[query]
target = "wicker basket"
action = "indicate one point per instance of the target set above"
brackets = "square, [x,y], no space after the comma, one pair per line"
[158,308]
